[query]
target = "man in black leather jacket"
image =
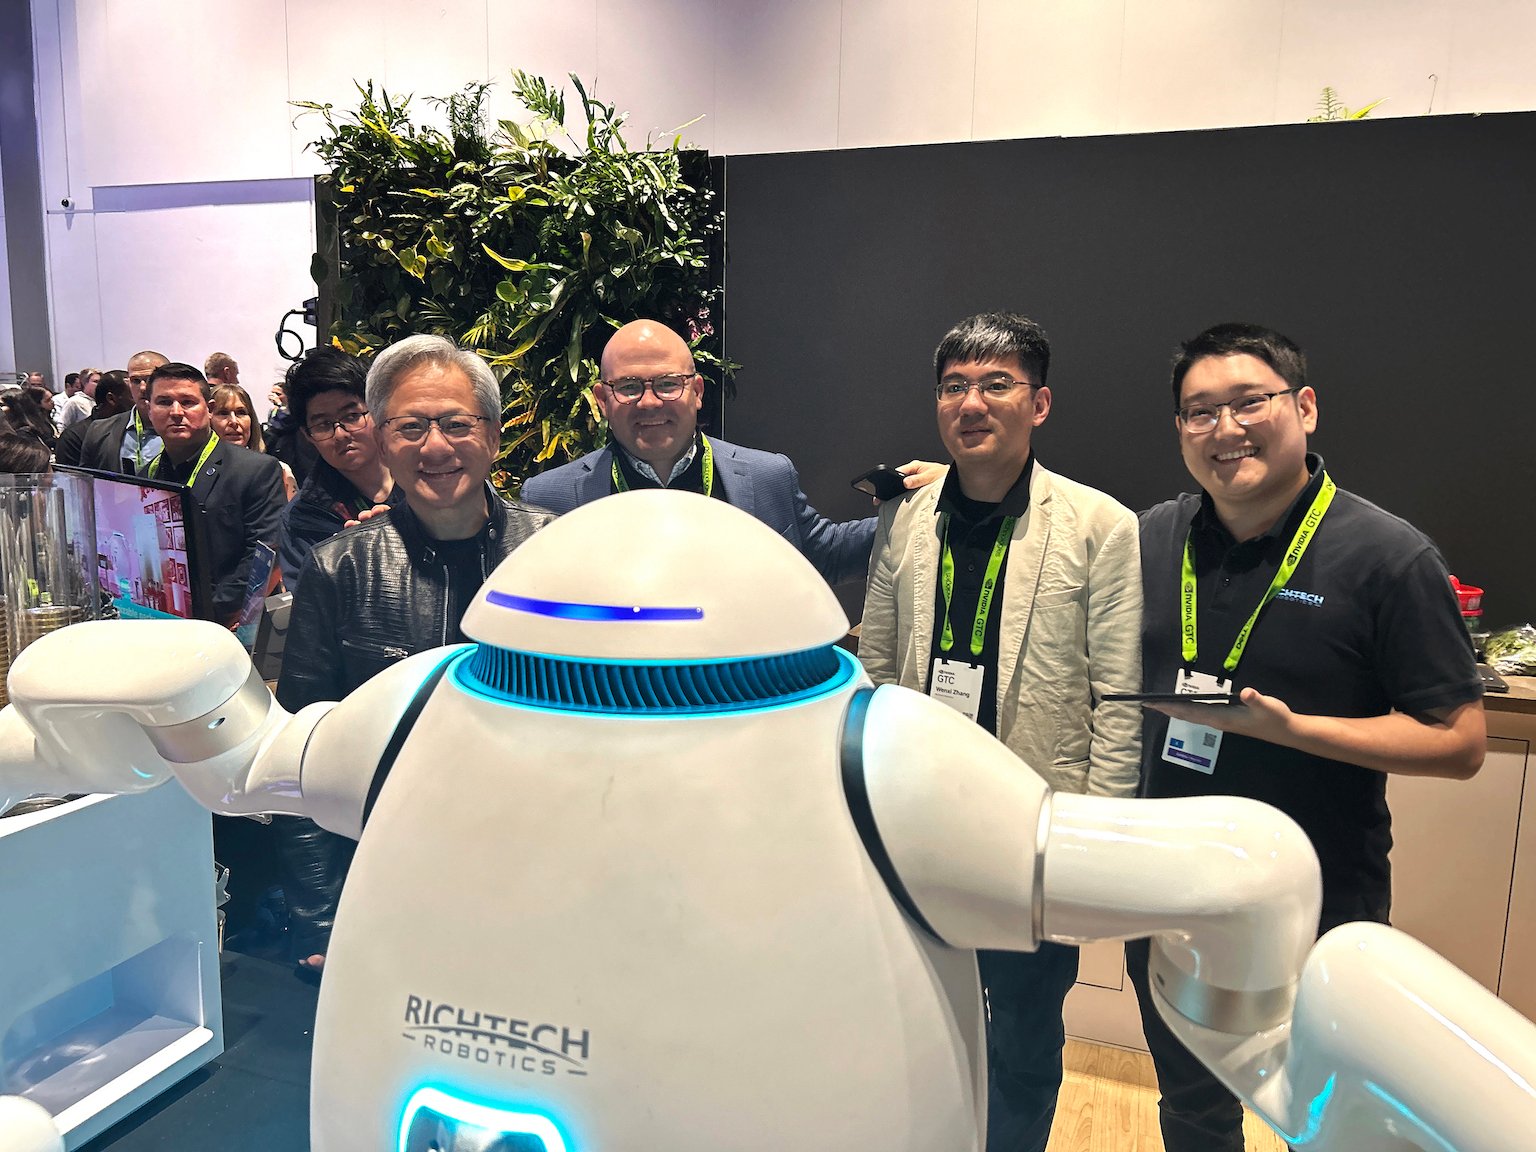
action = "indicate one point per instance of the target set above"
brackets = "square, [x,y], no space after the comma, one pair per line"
[399,583]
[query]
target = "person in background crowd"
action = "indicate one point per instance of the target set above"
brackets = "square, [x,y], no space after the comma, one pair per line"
[21,453]
[400,582]
[1013,595]
[37,379]
[127,442]
[234,417]
[81,395]
[113,396]
[326,394]
[234,422]
[44,400]
[283,435]
[1334,619]
[27,416]
[240,492]
[650,394]
[220,368]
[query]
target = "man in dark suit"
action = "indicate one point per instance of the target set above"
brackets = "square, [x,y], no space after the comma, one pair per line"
[114,397]
[650,395]
[240,491]
[126,442]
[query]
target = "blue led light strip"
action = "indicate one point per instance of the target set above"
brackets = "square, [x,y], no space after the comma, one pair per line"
[481,1116]
[565,610]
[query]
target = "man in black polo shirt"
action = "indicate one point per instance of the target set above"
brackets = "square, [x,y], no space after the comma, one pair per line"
[1013,595]
[1334,618]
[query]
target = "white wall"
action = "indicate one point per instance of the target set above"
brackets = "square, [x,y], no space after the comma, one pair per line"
[140,97]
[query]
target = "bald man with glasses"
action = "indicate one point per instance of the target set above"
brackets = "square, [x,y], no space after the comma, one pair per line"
[650,395]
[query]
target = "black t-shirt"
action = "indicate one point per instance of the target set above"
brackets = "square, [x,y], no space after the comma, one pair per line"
[466,564]
[1366,624]
[972,534]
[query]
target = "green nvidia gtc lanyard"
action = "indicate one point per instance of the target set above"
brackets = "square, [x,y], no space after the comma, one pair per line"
[1298,546]
[138,442]
[621,485]
[154,465]
[988,586]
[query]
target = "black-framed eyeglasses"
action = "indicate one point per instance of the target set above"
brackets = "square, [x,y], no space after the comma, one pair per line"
[455,426]
[325,429]
[628,389]
[952,389]
[1246,410]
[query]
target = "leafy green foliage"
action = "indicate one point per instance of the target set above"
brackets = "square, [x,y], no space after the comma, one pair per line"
[1330,107]
[526,251]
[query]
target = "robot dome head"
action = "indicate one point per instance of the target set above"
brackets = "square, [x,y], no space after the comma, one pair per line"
[654,576]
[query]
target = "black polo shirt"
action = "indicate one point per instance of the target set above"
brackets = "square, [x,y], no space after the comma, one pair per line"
[691,480]
[972,534]
[1366,624]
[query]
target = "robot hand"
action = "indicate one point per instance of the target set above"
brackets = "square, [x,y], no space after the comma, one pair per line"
[122,706]
[27,1127]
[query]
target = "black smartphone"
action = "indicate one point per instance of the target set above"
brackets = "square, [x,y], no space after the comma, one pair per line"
[881,482]
[1175,697]
[1492,681]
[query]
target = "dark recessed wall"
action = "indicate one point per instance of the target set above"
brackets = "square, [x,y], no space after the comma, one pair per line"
[1401,254]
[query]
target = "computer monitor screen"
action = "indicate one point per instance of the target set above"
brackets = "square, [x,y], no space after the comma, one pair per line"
[148,559]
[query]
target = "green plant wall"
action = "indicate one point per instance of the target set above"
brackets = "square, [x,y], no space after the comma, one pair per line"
[525,243]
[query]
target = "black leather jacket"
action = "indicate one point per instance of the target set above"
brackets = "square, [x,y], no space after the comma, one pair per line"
[375,594]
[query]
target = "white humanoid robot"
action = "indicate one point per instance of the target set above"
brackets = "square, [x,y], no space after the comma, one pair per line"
[651,866]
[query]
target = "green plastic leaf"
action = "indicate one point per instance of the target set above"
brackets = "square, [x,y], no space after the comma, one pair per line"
[506,262]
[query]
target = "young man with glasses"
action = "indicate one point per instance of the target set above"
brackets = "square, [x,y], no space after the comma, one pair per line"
[1013,595]
[1334,619]
[400,582]
[326,398]
[650,396]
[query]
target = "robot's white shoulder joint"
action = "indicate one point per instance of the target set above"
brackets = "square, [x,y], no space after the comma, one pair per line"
[950,818]
[351,752]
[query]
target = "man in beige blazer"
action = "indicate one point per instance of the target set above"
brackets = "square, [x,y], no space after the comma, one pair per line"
[1013,595]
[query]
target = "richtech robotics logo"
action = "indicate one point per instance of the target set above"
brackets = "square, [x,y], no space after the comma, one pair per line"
[496,1040]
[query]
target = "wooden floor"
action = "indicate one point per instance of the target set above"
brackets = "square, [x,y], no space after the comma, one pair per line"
[1109,1104]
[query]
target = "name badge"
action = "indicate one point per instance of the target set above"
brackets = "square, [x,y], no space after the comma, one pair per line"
[958,685]
[1188,745]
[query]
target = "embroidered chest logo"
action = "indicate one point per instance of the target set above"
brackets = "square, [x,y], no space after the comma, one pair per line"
[1296,596]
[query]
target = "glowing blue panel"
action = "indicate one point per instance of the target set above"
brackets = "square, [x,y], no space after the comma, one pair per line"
[565,610]
[428,1104]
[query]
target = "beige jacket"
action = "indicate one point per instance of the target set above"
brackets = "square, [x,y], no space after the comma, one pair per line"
[1070,630]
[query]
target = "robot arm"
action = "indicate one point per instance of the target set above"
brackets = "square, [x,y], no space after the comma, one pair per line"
[1365,1038]
[991,858]
[122,706]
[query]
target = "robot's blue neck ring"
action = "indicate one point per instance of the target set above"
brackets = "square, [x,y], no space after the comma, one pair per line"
[654,688]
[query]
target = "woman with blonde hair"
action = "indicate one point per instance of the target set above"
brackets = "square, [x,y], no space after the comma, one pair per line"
[234,422]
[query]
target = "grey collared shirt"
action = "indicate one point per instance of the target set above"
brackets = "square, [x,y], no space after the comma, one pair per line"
[678,469]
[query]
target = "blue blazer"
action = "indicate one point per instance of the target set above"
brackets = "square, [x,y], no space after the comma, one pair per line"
[763,484]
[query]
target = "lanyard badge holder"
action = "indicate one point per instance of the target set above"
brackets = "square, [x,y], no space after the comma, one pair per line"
[956,682]
[1196,746]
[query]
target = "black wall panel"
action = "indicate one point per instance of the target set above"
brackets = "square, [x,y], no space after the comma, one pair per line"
[1401,254]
